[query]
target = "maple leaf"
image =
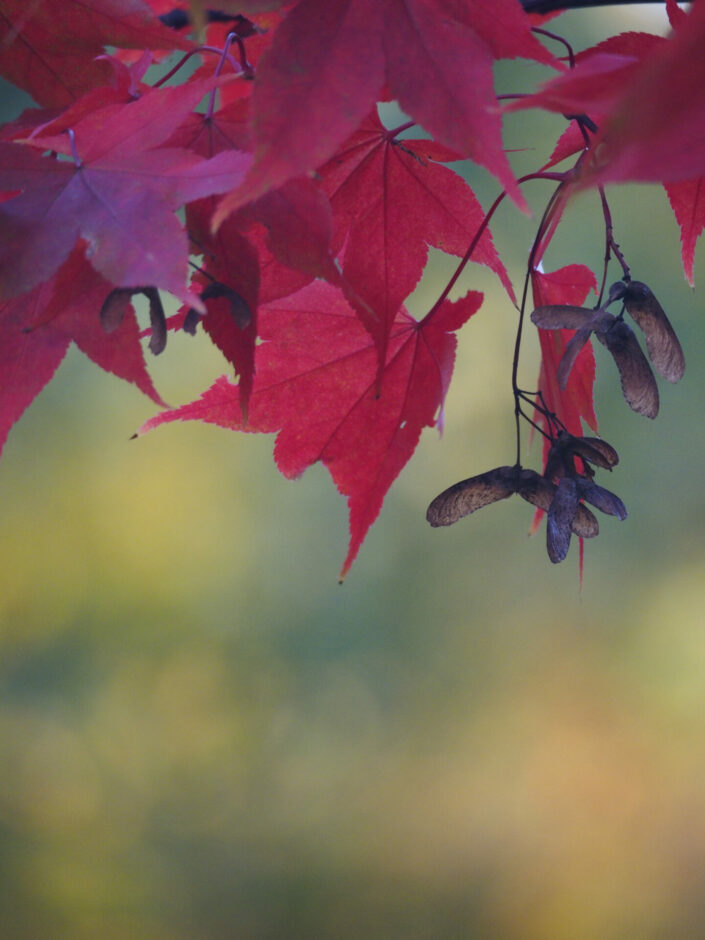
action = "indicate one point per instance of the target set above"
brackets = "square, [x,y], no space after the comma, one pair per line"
[390,201]
[328,63]
[655,130]
[297,215]
[592,87]
[687,200]
[646,91]
[315,385]
[596,86]
[37,329]
[231,260]
[574,403]
[50,49]
[299,226]
[117,194]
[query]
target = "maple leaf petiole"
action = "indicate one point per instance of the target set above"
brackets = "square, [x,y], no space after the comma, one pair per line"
[218,69]
[395,131]
[611,246]
[539,31]
[561,177]
[184,59]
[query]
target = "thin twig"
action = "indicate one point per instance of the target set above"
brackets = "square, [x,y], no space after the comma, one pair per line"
[552,6]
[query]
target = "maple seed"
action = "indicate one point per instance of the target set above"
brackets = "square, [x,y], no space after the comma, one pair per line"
[157,320]
[115,307]
[601,498]
[241,313]
[662,343]
[592,450]
[239,308]
[191,321]
[566,513]
[467,496]
[638,383]
[561,513]
[541,492]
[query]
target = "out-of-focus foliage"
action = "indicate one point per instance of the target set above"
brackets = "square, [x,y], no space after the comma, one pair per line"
[203,736]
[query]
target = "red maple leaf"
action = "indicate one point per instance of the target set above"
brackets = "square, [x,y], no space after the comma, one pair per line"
[315,385]
[37,329]
[645,63]
[117,194]
[298,223]
[655,128]
[390,201]
[296,215]
[574,404]
[50,49]
[328,63]
[231,260]
[687,200]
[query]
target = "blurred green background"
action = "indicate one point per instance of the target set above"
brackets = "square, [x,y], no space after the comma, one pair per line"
[203,736]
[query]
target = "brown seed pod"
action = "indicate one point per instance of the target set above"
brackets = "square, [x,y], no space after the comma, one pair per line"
[469,495]
[590,449]
[239,308]
[638,383]
[596,451]
[559,523]
[540,492]
[157,320]
[114,308]
[601,498]
[662,343]
[561,317]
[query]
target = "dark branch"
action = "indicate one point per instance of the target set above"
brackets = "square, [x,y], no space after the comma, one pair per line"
[551,6]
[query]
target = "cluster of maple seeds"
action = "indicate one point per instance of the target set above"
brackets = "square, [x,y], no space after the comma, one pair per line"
[567,480]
